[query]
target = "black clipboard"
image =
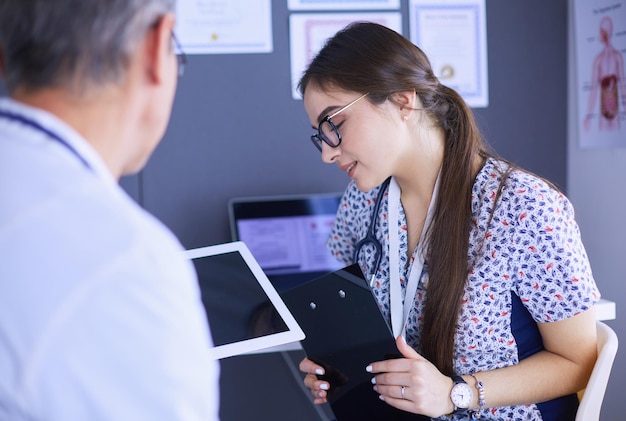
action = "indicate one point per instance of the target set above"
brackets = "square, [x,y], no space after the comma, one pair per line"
[344,332]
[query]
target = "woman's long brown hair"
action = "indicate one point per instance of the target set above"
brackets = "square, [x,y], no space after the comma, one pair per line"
[367,57]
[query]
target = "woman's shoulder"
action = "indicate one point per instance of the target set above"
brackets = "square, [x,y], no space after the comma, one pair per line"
[519,195]
[514,181]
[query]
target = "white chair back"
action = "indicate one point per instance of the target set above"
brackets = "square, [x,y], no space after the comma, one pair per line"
[592,396]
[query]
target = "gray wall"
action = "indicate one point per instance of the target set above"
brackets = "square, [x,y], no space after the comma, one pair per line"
[236,131]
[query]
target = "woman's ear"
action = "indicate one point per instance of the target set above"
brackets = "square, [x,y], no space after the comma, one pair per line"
[405,99]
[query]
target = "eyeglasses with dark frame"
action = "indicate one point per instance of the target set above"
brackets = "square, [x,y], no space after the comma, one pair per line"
[180,55]
[327,132]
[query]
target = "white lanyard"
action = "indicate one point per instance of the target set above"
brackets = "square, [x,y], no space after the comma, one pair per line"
[399,312]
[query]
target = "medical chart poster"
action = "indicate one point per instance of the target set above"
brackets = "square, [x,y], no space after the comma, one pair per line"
[309,31]
[453,34]
[225,27]
[600,39]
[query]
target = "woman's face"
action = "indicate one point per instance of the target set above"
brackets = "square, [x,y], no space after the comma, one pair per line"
[366,149]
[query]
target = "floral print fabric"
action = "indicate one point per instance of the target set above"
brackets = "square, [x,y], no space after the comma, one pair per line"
[531,248]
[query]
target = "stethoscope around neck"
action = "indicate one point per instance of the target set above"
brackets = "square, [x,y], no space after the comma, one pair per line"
[370,236]
[399,307]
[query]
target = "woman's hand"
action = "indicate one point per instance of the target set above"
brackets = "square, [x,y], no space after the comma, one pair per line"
[318,387]
[412,383]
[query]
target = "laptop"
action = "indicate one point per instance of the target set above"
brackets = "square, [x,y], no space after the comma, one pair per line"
[287,234]
[244,311]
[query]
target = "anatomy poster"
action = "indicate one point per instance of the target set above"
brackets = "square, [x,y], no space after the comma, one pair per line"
[600,28]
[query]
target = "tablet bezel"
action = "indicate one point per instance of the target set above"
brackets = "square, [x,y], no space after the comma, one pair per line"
[293,333]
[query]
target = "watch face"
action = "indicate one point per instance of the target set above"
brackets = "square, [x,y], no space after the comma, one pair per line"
[461,395]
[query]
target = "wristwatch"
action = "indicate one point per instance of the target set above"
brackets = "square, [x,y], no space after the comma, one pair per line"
[461,395]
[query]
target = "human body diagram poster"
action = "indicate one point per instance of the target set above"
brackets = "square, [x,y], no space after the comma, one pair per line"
[600,28]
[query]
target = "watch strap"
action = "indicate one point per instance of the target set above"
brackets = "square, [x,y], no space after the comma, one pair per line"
[457,379]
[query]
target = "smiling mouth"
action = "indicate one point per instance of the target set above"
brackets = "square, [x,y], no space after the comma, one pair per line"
[350,169]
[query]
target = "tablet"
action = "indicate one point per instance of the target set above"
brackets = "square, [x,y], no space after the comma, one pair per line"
[243,309]
[345,332]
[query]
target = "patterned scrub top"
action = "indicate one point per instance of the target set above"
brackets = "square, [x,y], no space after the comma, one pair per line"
[531,248]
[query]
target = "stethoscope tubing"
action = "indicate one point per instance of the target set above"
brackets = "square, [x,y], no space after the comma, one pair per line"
[370,236]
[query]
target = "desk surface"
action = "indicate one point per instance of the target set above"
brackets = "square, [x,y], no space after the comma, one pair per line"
[605,310]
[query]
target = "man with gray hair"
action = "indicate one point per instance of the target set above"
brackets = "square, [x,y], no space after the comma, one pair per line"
[100,313]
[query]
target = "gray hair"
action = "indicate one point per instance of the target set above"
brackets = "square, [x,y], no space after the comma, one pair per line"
[72,43]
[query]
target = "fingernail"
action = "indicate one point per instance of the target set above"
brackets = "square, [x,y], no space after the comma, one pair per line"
[324,386]
[368,369]
[320,394]
[381,397]
[375,388]
[319,371]
[373,380]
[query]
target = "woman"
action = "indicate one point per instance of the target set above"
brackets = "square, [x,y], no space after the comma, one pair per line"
[498,320]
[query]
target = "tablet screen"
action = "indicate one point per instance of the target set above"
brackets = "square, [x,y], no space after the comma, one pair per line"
[244,311]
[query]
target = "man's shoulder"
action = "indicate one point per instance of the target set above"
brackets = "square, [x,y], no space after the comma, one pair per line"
[75,232]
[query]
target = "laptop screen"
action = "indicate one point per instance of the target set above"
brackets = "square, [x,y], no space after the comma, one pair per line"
[244,311]
[287,235]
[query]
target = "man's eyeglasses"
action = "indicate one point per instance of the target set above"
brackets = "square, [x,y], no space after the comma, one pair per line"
[180,55]
[327,132]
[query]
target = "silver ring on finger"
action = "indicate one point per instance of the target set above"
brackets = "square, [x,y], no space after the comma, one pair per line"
[402,391]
